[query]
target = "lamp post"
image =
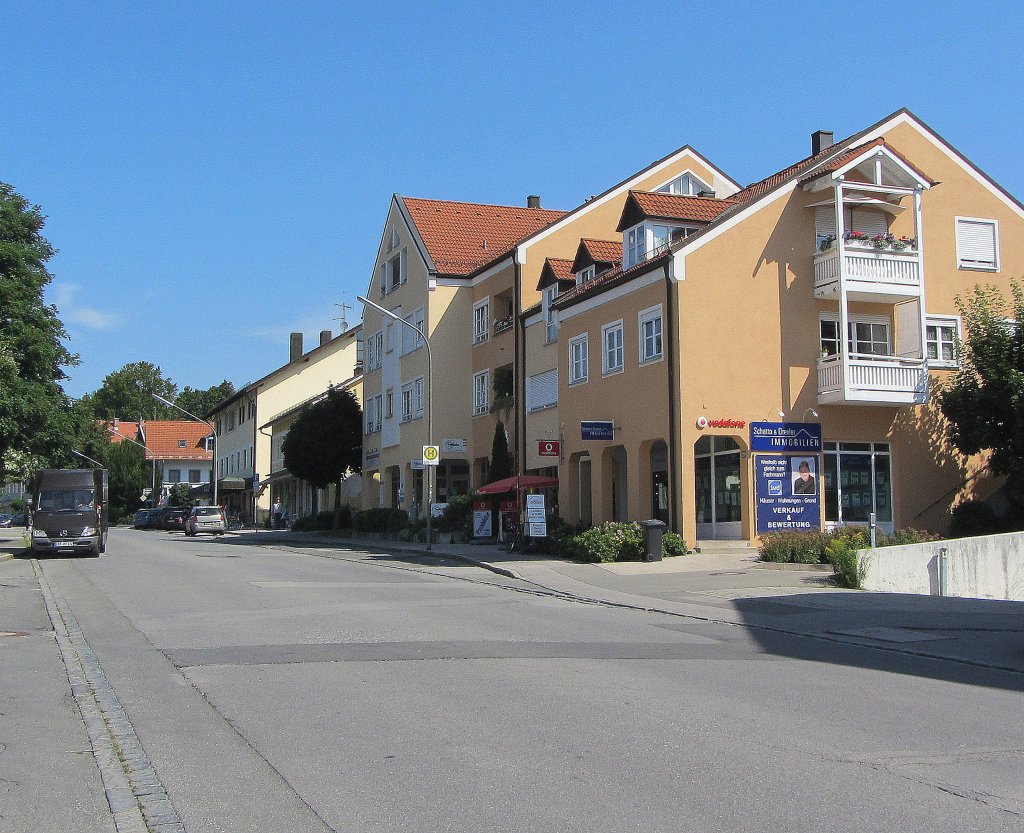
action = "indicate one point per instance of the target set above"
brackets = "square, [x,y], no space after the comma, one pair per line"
[152,491]
[213,465]
[96,463]
[429,473]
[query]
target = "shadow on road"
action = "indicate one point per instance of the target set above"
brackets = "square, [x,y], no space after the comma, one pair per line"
[969,641]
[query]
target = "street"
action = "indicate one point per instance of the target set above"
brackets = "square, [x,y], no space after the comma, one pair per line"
[217,684]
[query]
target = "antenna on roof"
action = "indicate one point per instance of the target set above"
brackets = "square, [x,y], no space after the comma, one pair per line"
[343,318]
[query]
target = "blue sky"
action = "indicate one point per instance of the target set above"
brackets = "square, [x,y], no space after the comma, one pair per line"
[217,174]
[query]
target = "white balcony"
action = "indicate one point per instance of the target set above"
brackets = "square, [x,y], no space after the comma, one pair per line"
[872,380]
[871,275]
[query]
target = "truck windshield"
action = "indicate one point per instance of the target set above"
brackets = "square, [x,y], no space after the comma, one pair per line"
[69,500]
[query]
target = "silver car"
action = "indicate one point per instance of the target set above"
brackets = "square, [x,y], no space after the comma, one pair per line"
[205,519]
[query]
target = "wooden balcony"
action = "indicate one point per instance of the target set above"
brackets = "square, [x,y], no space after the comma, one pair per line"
[871,275]
[872,380]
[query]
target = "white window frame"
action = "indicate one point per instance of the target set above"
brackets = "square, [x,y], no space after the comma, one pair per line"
[393,240]
[585,275]
[482,320]
[691,179]
[579,359]
[482,393]
[942,323]
[613,348]
[389,403]
[645,317]
[411,340]
[634,246]
[548,298]
[408,407]
[542,390]
[851,342]
[977,265]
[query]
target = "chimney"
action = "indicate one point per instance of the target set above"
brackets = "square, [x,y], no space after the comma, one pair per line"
[821,139]
[533,201]
[325,336]
[295,347]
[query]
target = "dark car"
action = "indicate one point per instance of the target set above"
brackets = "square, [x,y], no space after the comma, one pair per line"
[6,521]
[173,519]
[146,518]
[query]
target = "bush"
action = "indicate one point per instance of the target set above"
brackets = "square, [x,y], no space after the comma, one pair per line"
[381,519]
[849,570]
[608,542]
[458,516]
[974,518]
[812,547]
[672,544]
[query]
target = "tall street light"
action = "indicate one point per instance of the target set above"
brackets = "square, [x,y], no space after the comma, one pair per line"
[96,463]
[429,473]
[152,491]
[213,465]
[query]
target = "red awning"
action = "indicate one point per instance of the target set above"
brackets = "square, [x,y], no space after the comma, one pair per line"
[517,484]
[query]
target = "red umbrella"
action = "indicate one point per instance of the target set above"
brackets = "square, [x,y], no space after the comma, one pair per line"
[517,484]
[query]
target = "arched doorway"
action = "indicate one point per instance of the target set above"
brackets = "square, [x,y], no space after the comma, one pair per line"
[659,482]
[719,505]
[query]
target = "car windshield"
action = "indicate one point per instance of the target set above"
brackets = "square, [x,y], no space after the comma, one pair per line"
[207,510]
[65,500]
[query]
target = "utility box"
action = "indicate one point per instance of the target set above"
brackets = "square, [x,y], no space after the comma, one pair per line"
[653,532]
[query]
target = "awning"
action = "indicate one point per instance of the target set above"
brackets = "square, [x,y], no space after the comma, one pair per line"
[518,484]
[232,484]
[273,478]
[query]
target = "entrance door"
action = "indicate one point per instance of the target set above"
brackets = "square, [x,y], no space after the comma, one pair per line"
[717,479]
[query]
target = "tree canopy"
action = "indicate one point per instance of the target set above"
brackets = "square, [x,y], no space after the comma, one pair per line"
[201,402]
[984,400]
[34,421]
[325,443]
[128,394]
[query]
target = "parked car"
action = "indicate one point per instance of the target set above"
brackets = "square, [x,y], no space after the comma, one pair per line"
[173,518]
[6,521]
[205,519]
[146,518]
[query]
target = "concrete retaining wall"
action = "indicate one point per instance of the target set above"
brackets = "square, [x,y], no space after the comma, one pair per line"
[986,567]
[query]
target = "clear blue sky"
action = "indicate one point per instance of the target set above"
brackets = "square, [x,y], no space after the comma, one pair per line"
[218,174]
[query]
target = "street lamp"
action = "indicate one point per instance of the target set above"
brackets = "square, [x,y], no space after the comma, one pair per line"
[152,492]
[430,402]
[213,465]
[96,463]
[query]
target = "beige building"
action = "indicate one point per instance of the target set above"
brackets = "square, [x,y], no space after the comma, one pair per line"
[685,319]
[244,422]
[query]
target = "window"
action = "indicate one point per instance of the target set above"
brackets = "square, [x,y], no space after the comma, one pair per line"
[411,340]
[977,244]
[412,400]
[941,336]
[664,235]
[866,336]
[182,444]
[650,335]
[549,296]
[578,360]
[687,185]
[481,320]
[231,421]
[393,239]
[635,246]
[174,475]
[374,350]
[389,336]
[389,403]
[193,475]
[542,390]
[481,392]
[611,337]
[858,481]
[585,275]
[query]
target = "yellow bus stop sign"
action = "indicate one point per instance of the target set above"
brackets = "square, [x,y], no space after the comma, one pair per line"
[431,455]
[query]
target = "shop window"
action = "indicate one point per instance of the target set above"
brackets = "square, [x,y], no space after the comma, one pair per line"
[858,481]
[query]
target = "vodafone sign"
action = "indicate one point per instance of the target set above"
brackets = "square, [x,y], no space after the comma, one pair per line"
[703,422]
[548,448]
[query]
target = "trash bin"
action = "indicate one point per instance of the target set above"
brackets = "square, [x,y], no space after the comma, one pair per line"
[653,532]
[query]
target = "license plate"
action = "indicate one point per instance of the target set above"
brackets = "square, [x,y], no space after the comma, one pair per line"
[63,543]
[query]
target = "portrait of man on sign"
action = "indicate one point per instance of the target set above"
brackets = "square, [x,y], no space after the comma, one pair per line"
[804,482]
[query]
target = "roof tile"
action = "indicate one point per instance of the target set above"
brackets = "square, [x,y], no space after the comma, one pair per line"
[163,438]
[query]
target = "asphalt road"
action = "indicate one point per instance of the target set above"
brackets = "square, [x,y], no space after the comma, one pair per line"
[225,687]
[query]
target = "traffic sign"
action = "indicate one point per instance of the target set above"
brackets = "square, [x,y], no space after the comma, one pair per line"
[431,455]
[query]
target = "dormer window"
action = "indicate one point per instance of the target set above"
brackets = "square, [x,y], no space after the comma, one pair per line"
[182,444]
[687,185]
[393,240]
[585,275]
[635,246]
[651,238]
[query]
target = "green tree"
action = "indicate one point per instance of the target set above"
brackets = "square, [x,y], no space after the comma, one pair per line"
[129,475]
[502,465]
[325,444]
[984,400]
[201,402]
[33,408]
[127,394]
[180,494]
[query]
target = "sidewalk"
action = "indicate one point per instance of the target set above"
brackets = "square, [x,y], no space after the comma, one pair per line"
[737,589]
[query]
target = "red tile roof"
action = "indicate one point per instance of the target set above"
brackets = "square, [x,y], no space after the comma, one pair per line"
[561,268]
[603,251]
[853,153]
[613,276]
[125,430]
[462,236]
[164,436]
[679,207]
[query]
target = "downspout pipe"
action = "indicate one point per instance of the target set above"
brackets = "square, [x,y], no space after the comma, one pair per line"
[674,463]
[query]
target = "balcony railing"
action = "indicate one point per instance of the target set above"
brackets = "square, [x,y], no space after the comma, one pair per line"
[872,380]
[869,273]
[502,324]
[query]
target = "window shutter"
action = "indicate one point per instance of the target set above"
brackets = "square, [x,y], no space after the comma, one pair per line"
[403,266]
[383,278]
[976,243]
[542,390]
[824,221]
[866,222]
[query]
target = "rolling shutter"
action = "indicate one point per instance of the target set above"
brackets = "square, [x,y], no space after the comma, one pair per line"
[542,390]
[976,243]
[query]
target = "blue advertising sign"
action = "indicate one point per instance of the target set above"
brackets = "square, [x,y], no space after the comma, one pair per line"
[788,491]
[786,437]
[597,430]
